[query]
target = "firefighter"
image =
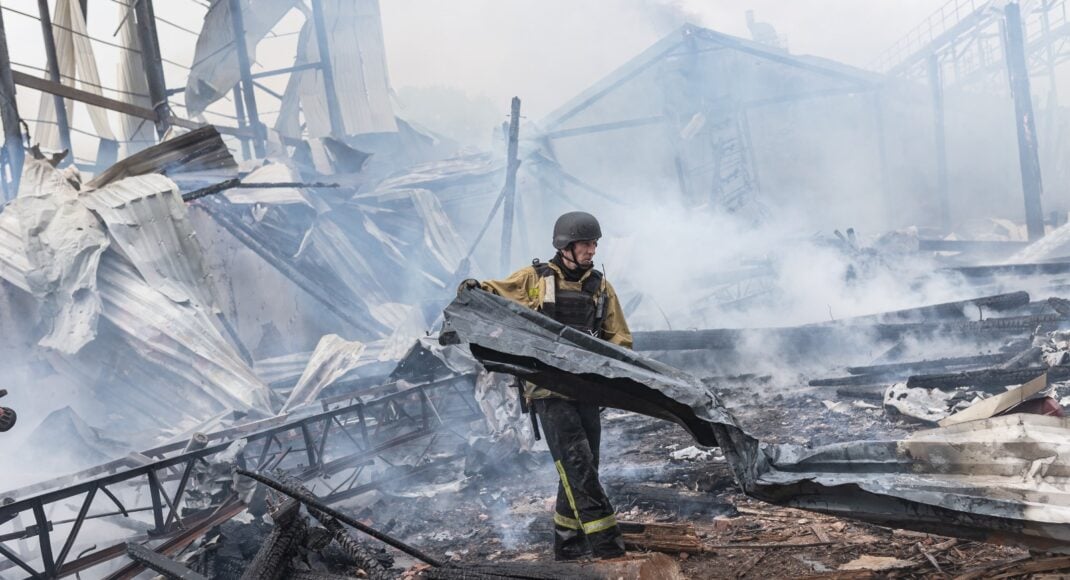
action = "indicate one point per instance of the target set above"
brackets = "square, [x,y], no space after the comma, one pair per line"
[569,290]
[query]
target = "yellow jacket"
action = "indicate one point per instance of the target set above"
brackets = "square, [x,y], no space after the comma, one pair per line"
[526,287]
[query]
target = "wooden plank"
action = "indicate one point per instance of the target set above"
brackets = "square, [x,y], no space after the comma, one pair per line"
[668,538]
[996,404]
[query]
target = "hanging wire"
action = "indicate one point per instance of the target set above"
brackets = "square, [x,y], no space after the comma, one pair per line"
[162,19]
[71,30]
[72,129]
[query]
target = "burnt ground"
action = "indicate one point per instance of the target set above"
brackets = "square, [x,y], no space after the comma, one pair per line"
[503,515]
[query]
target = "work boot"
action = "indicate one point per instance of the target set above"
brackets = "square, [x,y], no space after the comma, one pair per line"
[569,544]
[607,544]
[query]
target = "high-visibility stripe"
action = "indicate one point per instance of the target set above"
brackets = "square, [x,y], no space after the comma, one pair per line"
[568,489]
[566,522]
[600,525]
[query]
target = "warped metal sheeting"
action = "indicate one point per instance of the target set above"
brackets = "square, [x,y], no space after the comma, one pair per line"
[1004,479]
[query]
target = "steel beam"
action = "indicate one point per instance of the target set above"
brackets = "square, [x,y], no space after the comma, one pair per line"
[239,109]
[9,116]
[395,419]
[53,74]
[943,195]
[338,129]
[152,61]
[1028,153]
[244,67]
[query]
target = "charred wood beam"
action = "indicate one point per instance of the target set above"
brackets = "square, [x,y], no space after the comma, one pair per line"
[730,338]
[167,567]
[1042,269]
[360,553]
[956,310]
[855,380]
[988,378]
[272,560]
[237,183]
[682,501]
[311,575]
[971,246]
[668,538]
[924,365]
[517,570]
[1026,358]
[351,522]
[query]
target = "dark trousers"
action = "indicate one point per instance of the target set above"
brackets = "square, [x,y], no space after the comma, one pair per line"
[583,520]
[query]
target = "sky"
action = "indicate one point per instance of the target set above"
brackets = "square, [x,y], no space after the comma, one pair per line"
[544,51]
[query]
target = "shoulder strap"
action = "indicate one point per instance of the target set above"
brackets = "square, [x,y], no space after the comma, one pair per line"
[593,283]
[542,269]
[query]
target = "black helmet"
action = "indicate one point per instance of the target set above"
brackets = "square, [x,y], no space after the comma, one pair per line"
[575,226]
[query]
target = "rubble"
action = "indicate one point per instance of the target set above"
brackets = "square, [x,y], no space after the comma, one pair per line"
[930,481]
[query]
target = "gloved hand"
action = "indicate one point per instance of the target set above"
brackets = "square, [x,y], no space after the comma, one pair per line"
[468,284]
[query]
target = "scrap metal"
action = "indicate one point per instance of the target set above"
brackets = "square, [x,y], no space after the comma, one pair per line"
[1002,479]
[328,443]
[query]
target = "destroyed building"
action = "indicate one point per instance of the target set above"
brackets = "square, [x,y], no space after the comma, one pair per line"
[236,346]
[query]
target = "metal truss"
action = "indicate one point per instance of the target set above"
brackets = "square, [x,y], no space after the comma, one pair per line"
[162,493]
[966,38]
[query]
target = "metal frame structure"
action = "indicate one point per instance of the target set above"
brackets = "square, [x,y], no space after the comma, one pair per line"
[341,442]
[249,128]
[975,44]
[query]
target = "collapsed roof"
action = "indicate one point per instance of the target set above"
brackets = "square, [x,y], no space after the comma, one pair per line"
[1002,479]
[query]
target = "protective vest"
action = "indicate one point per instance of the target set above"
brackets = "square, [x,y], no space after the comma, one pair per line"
[583,309]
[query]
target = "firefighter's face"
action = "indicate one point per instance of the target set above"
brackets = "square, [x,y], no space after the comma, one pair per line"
[583,253]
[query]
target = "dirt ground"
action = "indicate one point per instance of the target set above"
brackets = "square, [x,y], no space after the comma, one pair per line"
[505,517]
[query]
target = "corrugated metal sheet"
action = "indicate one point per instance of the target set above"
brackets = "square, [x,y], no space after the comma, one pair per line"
[215,60]
[63,243]
[197,157]
[333,358]
[179,337]
[1004,479]
[358,63]
[176,364]
[444,243]
[147,220]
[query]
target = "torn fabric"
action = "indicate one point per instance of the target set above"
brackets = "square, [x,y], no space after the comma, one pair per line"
[215,61]
[358,65]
